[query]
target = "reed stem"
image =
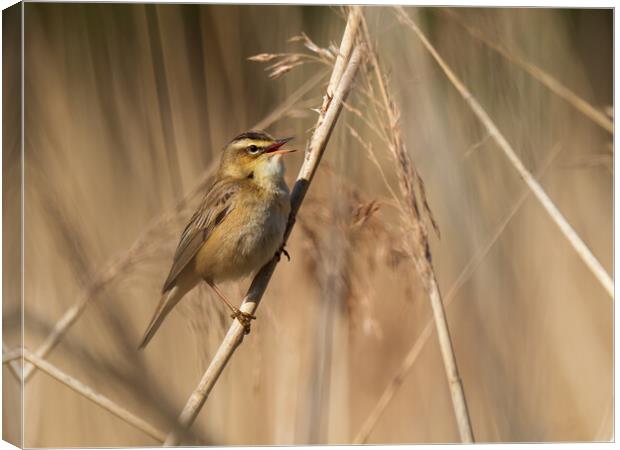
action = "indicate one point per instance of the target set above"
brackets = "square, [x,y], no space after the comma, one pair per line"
[332,106]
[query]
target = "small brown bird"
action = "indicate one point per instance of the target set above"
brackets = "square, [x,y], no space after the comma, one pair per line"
[238,227]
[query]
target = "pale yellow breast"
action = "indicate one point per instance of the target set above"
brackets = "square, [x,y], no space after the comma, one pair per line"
[247,238]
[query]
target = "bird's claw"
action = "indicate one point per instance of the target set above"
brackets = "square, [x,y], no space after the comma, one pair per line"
[279,254]
[286,254]
[244,319]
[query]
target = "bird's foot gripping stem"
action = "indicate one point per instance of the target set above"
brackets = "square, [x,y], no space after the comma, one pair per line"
[282,250]
[244,318]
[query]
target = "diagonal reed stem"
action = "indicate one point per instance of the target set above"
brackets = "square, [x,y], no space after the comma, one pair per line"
[420,249]
[94,396]
[536,72]
[119,265]
[554,213]
[11,355]
[14,367]
[338,89]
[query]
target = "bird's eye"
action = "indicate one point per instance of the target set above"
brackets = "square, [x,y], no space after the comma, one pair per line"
[252,150]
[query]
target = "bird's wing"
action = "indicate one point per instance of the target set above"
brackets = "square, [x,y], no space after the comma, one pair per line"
[216,205]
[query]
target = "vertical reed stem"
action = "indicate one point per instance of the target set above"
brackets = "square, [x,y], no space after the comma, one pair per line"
[422,262]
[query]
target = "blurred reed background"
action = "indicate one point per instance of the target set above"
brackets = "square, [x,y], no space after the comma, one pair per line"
[126,108]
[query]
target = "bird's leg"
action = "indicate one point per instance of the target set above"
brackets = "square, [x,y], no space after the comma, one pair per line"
[243,317]
[281,250]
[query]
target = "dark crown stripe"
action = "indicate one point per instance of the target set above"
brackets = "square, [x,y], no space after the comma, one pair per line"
[255,135]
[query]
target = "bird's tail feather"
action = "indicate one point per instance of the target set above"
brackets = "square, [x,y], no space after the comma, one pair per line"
[168,300]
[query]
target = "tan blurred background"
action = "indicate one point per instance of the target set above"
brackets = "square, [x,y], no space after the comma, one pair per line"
[128,105]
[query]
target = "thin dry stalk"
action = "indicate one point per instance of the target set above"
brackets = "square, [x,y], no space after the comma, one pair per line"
[346,45]
[118,266]
[407,364]
[318,141]
[121,263]
[11,355]
[14,367]
[409,180]
[94,396]
[372,157]
[554,213]
[536,72]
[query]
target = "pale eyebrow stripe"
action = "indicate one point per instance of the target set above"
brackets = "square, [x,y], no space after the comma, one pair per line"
[246,142]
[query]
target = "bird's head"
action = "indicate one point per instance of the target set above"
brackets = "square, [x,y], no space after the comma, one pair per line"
[256,155]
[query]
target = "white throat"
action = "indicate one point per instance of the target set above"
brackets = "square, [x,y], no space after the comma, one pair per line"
[270,173]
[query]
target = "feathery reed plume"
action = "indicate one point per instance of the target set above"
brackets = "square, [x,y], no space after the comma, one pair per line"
[373,242]
[409,360]
[536,72]
[554,213]
[412,194]
[285,62]
[341,81]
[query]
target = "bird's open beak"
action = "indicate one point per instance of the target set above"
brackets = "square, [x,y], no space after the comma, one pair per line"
[274,149]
